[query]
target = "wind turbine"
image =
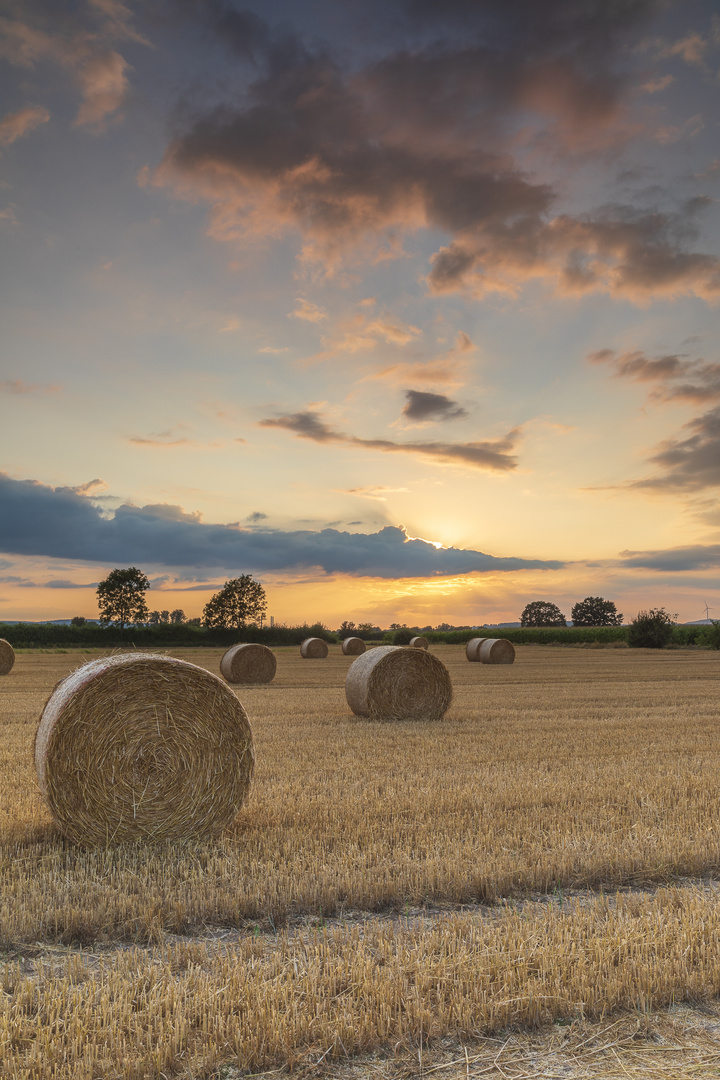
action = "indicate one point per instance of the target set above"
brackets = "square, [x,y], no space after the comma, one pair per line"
[707,611]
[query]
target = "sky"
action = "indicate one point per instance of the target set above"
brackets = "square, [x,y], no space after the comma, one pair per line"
[407,308]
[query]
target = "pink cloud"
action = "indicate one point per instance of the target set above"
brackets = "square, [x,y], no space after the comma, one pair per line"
[14,125]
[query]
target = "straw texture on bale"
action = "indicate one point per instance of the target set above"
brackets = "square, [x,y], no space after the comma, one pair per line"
[419,643]
[472,649]
[143,747]
[314,648]
[496,651]
[353,646]
[248,663]
[7,656]
[393,683]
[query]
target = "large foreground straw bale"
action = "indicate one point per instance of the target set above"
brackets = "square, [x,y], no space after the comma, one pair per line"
[419,643]
[314,648]
[394,683]
[496,651]
[472,649]
[143,747]
[249,663]
[7,656]
[353,646]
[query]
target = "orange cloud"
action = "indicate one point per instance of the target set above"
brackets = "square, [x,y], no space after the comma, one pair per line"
[307,311]
[14,125]
[625,253]
[98,69]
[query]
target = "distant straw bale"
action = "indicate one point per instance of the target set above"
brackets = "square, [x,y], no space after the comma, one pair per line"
[353,646]
[419,643]
[248,663]
[496,651]
[7,656]
[143,747]
[472,649]
[314,648]
[393,683]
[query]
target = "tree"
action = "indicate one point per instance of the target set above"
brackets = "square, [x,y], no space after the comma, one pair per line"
[240,601]
[651,629]
[121,597]
[78,620]
[542,613]
[594,611]
[347,629]
[177,616]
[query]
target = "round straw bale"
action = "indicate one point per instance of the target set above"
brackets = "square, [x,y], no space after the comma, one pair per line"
[393,683]
[7,656]
[353,646]
[473,647]
[496,651]
[248,663]
[419,643]
[314,648]
[143,747]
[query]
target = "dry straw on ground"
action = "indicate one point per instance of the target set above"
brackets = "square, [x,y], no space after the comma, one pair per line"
[248,663]
[314,648]
[353,646]
[143,747]
[393,683]
[7,656]
[472,649]
[496,651]
[419,643]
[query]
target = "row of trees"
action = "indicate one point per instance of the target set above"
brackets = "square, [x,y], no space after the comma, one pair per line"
[592,611]
[242,602]
[121,600]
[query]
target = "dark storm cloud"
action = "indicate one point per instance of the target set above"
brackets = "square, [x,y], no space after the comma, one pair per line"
[352,158]
[697,557]
[58,523]
[494,455]
[424,406]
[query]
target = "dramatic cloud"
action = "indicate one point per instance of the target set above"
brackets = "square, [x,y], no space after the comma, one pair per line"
[422,407]
[14,125]
[619,250]
[675,560]
[691,463]
[96,67]
[494,455]
[354,160]
[58,523]
[675,378]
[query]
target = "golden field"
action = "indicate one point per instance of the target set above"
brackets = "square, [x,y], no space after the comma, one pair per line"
[573,769]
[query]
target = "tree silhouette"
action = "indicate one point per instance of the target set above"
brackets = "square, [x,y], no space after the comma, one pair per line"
[594,611]
[240,601]
[542,613]
[121,597]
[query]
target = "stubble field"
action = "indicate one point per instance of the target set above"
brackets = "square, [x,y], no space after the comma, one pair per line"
[392,898]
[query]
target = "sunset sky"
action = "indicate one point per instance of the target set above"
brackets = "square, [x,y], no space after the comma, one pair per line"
[408,308]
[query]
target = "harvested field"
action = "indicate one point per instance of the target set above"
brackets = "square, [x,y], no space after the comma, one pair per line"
[470,837]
